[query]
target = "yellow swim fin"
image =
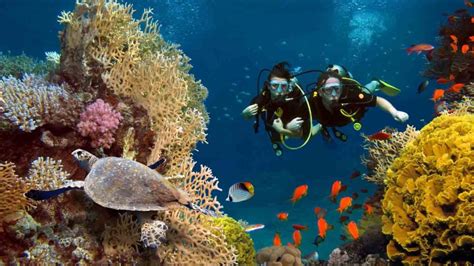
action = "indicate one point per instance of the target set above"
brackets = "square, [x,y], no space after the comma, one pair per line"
[388,89]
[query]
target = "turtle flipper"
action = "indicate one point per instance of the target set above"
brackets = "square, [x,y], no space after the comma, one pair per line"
[47,194]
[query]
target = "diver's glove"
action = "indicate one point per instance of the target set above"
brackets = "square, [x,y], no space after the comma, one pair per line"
[295,124]
[400,116]
[250,111]
[278,125]
[315,129]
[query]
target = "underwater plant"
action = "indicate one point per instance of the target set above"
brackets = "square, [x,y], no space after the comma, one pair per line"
[429,197]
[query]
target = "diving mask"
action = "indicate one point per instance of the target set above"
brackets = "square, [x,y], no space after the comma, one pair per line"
[279,87]
[332,89]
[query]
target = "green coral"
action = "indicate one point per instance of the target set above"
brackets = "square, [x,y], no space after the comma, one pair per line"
[428,204]
[18,65]
[238,238]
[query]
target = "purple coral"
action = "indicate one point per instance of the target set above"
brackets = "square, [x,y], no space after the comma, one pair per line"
[98,122]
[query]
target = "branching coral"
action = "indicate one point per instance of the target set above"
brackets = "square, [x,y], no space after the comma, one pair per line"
[32,102]
[121,240]
[12,190]
[238,238]
[194,240]
[99,122]
[428,204]
[47,174]
[381,153]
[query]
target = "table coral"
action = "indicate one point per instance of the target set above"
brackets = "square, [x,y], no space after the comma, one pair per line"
[430,193]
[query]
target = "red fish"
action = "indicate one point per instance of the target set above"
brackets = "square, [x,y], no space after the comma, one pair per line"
[277,240]
[379,136]
[300,227]
[471,38]
[282,216]
[442,81]
[368,209]
[323,227]
[299,192]
[464,48]
[454,47]
[437,94]
[335,189]
[320,212]
[456,87]
[454,38]
[297,238]
[343,219]
[418,48]
[345,203]
[355,174]
[352,228]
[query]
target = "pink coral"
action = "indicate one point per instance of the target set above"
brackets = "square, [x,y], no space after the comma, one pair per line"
[98,122]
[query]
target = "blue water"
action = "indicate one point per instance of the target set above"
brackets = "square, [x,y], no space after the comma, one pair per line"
[230,41]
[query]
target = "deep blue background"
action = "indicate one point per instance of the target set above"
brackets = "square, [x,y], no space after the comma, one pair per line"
[230,41]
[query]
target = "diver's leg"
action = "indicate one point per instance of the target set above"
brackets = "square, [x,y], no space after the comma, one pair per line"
[275,138]
[378,84]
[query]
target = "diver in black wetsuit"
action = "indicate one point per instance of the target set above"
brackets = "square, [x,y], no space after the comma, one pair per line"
[281,107]
[339,100]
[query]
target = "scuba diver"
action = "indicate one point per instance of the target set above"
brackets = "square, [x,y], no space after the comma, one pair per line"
[339,100]
[283,107]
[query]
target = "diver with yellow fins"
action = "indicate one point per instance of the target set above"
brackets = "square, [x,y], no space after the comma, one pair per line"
[339,100]
[283,107]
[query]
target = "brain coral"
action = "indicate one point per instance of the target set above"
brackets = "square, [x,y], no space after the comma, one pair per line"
[428,205]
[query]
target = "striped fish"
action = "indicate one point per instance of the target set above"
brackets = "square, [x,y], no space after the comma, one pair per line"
[240,192]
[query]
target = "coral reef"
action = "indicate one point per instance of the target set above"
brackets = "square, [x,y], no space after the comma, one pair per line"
[429,197]
[279,256]
[153,234]
[47,174]
[99,122]
[121,241]
[33,102]
[382,153]
[238,238]
[338,257]
[18,65]
[12,190]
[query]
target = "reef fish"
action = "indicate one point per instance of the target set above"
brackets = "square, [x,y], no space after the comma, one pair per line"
[335,189]
[297,238]
[300,227]
[464,48]
[240,192]
[283,216]
[423,86]
[354,174]
[320,212]
[254,227]
[353,231]
[345,203]
[299,192]
[419,48]
[379,136]
[437,94]
[456,87]
[368,209]
[277,240]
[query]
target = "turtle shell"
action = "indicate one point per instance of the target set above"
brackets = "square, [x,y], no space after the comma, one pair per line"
[123,184]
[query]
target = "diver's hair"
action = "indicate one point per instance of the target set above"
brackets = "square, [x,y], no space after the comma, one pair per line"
[325,76]
[280,70]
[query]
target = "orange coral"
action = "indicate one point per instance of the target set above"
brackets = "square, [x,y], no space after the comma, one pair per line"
[12,190]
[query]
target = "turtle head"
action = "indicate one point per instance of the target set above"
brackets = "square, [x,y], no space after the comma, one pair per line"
[84,159]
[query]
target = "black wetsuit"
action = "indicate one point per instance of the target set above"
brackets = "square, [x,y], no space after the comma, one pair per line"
[294,107]
[353,102]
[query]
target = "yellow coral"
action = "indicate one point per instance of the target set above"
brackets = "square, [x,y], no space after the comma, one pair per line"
[121,240]
[430,193]
[12,190]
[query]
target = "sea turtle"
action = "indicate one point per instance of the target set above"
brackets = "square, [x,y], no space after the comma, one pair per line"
[122,184]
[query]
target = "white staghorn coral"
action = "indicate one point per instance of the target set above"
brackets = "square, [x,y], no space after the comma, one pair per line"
[47,174]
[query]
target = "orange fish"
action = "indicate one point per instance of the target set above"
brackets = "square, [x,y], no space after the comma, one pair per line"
[320,212]
[277,240]
[472,19]
[456,87]
[418,48]
[465,48]
[300,227]
[442,81]
[323,227]
[299,192]
[454,47]
[379,136]
[368,209]
[283,216]
[352,228]
[454,38]
[471,38]
[335,189]
[345,203]
[297,238]
[437,94]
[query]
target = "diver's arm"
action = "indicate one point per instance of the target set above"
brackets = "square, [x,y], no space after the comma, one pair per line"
[278,126]
[388,107]
[250,111]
